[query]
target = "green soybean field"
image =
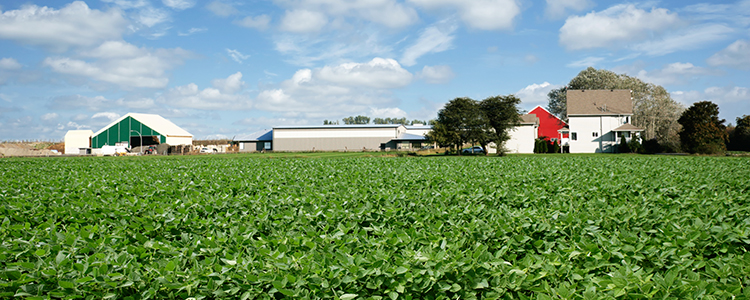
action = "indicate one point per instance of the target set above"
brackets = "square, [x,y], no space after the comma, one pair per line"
[239,227]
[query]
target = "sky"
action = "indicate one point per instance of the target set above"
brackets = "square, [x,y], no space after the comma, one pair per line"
[222,68]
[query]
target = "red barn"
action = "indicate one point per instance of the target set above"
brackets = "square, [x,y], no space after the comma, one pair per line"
[549,124]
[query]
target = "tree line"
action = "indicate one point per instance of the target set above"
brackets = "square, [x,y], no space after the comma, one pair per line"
[364,120]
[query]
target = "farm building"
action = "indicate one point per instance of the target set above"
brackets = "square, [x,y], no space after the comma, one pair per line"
[78,141]
[255,142]
[135,130]
[598,118]
[549,125]
[348,137]
[522,136]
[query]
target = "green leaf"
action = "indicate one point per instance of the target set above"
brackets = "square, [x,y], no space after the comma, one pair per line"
[66,284]
[348,296]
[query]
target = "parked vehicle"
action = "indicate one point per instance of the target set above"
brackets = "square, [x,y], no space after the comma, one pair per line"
[209,150]
[473,150]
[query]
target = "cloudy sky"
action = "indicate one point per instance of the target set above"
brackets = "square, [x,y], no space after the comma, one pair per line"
[226,67]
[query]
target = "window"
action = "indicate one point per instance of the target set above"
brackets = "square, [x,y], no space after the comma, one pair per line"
[621,134]
[573,136]
[595,134]
[267,145]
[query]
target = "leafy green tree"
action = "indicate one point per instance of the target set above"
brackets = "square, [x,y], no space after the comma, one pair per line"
[653,108]
[739,139]
[702,130]
[358,120]
[327,122]
[501,114]
[460,121]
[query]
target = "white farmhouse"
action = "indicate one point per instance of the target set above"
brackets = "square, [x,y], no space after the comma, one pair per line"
[522,136]
[598,118]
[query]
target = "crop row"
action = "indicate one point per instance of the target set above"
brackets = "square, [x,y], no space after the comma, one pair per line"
[375,228]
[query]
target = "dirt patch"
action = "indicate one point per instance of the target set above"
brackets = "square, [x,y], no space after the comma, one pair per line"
[31,149]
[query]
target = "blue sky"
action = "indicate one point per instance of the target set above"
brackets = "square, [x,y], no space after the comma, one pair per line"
[221,68]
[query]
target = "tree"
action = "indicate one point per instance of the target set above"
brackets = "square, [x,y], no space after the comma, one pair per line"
[739,139]
[326,122]
[653,108]
[358,120]
[502,114]
[702,130]
[465,120]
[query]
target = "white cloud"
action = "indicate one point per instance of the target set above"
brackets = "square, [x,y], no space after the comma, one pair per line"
[615,26]
[8,63]
[123,64]
[179,4]
[221,8]
[98,103]
[559,8]
[333,91]
[378,73]
[258,22]
[307,50]
[151,16]
[127,4]
[303,21]
[433,39]
[192,31]
[586,62]
[687,39]
[237,55]
[223,96]
[49,117]
[73,25]
[735,100]
[436,74]
[229,85]
[675,73]
[388,112]
[111,116]
[390,13]
[535,94]
[479,14]
[736,55]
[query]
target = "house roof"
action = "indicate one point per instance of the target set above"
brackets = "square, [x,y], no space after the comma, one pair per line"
[258,136]
[410,137]
[340,126]
[547,111]
[155,122]
[599,102]
[628,127]
[529,119]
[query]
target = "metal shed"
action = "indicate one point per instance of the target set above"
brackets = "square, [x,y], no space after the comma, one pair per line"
[136,129]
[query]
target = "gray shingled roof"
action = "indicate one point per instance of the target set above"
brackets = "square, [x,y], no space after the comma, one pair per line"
[529,119]
[628,127]
[599,102]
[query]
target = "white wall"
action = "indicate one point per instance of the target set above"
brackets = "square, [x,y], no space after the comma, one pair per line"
[586,126]
[283,133]
[178,140]
[522,139]
[75,139]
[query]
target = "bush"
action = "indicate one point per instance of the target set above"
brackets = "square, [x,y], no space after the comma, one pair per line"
[554,147]
[623,147]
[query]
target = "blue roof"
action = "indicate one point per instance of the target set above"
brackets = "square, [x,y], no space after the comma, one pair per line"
[258,136]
